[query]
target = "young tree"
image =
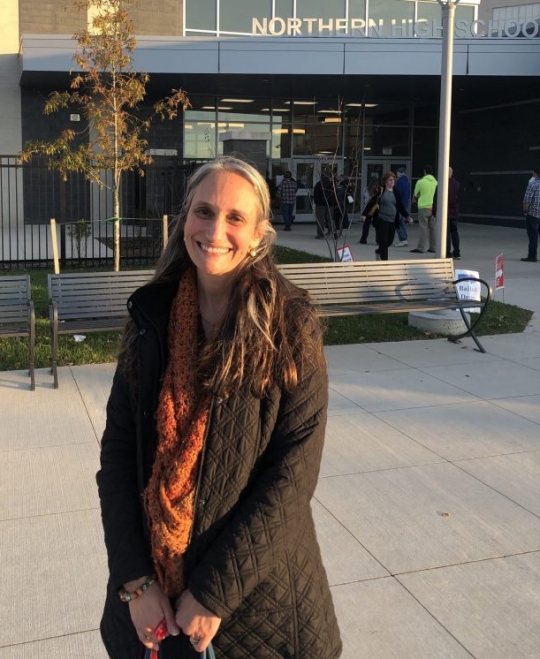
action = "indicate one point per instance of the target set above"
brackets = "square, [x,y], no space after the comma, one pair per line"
[108,92]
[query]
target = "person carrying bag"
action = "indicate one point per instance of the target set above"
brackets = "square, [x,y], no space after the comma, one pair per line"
[384,210]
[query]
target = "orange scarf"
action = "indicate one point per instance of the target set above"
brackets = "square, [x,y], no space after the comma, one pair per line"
[182,417]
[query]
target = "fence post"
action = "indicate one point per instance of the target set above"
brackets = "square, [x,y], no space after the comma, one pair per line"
[165,232]
[63,258]
[54,243]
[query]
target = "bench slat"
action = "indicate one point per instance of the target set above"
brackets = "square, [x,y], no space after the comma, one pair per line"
[361,283]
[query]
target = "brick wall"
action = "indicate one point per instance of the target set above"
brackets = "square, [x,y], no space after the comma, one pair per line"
[158,17]
[49,17]
[150,17]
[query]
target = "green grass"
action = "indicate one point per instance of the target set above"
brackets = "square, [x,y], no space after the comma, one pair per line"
[499,319]
[101,347]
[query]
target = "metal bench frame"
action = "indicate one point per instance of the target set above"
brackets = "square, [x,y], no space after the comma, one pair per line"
[89,302]
[380,287]
[17,315]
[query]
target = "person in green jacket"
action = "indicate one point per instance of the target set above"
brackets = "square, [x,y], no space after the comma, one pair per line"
[424,192]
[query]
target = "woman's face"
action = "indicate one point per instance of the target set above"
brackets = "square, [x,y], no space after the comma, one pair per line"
[222,223]
[390,182]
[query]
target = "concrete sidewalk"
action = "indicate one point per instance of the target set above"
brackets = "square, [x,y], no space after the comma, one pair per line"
[427,508]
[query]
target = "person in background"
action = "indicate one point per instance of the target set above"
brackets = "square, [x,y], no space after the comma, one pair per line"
[452,235]
[341,216]
[388,208]
[213,441]
[373,189]
[286,193]
[531,210]
[322,214]
[424,192]
[403,187]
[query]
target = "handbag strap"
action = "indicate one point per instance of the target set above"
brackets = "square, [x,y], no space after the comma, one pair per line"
[208,653]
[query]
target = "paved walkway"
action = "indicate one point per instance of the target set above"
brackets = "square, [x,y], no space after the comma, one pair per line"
[427,508]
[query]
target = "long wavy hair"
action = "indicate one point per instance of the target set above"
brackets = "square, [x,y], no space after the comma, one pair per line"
[270,332]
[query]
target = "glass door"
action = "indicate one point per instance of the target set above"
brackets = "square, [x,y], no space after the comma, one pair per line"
[308,172]
[376,167]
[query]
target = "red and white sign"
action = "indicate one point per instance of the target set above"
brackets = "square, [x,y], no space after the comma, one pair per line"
[344,254]
[499,272]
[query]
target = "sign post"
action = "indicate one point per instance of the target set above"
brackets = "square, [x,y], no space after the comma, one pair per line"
[499,273]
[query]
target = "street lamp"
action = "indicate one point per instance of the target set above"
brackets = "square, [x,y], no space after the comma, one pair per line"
[448,8]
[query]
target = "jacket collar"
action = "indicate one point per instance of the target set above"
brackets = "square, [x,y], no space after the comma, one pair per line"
[151,304]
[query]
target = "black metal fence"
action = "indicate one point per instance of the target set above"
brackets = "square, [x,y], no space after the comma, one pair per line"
[32,193]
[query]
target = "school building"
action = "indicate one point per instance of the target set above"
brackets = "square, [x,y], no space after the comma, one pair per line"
[296,84]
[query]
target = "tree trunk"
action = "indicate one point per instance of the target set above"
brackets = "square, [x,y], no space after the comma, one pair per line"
[116,230]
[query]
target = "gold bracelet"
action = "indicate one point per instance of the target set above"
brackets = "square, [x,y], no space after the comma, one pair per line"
[126,596]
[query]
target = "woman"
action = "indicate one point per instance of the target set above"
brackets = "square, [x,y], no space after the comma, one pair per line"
[387,210]
[373,189]
[211,452]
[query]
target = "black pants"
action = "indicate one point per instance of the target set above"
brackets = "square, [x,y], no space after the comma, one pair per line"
[452,239]
[341,218]
[365,230]
[533,229]
[384,235]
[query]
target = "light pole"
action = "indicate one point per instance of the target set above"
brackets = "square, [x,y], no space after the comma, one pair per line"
[448,8]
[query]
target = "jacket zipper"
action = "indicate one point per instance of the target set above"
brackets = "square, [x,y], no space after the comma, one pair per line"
[201,463]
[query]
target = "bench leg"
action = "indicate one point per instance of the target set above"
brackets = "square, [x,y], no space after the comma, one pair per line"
[471,326]
[470,332]
[54,351]
[32,346]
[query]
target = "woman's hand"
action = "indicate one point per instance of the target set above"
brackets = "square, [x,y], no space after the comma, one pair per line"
[363,218]
[147,611]
[410,220]
[196,621]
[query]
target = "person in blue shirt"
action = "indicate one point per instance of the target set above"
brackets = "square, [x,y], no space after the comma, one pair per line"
[531,210]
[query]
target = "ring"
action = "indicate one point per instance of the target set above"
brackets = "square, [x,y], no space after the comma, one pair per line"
[194,641]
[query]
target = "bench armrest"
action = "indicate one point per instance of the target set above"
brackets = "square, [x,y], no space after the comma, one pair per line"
[482,304]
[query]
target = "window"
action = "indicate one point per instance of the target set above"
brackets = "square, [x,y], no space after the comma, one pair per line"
[357,9]
[391,9]
[432,11]
[237,15]
[320,9]
[284,8]
[201,15]
[519,13]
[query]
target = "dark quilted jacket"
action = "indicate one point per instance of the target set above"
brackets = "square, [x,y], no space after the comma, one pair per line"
[253,559]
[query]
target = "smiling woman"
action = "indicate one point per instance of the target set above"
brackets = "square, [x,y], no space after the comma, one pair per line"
[222,228]
[216,422]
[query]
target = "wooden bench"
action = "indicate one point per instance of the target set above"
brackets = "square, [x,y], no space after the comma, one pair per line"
[89,302]
[380,287]
[17,315]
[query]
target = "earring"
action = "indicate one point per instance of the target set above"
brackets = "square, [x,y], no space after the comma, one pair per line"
[253,252]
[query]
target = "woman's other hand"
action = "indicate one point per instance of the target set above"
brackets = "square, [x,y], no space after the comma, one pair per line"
[196,621]
[363,218]
[147,611]
[410,220]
